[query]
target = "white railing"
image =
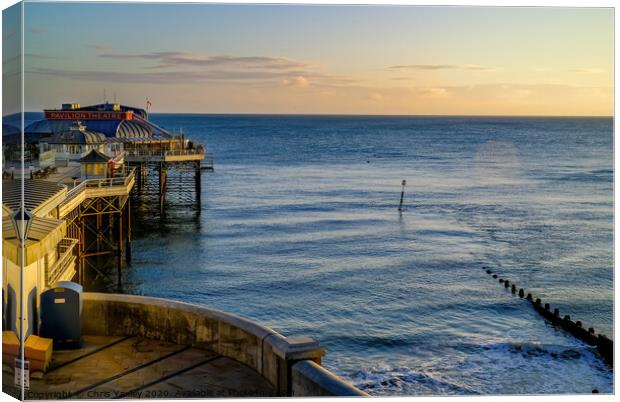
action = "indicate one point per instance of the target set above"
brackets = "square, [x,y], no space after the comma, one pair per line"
[120,156]
[193,151]
[122,181]
[164,152]
[65,250]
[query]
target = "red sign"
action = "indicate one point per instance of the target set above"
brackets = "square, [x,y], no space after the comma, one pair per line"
[87,115]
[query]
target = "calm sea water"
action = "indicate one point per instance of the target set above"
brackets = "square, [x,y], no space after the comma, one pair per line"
[300,231]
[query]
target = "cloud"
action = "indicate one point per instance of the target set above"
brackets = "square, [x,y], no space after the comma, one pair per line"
[160,77]
[186,68]
[176,59]
[433,92]
[298,79]
[99,47]
[586,70]
[476,67]
[402,78]
[506,93]
[376,97]
[298,82]
[423,67]
[433,67]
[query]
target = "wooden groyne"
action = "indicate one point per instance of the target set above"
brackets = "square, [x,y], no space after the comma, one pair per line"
[604,345]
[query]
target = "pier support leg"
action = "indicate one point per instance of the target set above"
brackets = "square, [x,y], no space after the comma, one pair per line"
[163,178]
[98,227]
[198,184]
[82,249]
[128,238]
[139,178]
[120,250]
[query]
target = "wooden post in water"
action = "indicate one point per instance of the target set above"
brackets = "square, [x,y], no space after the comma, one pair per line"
[402,195]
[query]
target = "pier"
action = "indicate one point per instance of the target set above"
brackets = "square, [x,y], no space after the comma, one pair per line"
[98,212]
[98,215]
[168,170]
[101,169]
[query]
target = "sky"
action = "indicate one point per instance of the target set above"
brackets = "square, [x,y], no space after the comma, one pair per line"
[410,60]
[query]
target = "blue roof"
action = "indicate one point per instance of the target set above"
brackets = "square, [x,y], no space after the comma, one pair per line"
[40,127]
[112,128]
[13,135]
[137,127]
[9,129]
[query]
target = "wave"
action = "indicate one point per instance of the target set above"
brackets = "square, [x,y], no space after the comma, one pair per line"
[593,176]
[404,380]
[496,368]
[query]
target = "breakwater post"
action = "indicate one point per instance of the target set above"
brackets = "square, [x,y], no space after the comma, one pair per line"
[604,345]
[402,195]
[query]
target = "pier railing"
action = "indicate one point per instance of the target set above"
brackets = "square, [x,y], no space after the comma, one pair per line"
[146,154]
[119,157]
[207,164]
[164,152]
[66,257]
[99,183]
[79,192]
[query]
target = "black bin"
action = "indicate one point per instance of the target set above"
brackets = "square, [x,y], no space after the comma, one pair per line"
[61,315]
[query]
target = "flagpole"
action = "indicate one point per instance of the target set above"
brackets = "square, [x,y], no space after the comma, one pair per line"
[148,105]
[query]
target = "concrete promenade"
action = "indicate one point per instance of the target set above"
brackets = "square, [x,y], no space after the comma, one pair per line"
[108,367]
[144,347]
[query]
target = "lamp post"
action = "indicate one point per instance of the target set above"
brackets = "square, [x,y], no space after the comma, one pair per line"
[22,220]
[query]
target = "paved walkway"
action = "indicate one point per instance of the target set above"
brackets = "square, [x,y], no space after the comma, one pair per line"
[65,174]
[116,367]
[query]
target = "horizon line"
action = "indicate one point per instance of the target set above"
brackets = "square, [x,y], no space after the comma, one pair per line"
[358,114]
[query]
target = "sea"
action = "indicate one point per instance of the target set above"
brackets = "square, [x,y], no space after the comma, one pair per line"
[300,230]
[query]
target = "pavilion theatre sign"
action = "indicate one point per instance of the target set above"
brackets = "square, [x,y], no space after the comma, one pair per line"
[87,115]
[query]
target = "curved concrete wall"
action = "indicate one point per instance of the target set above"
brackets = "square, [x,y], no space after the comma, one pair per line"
[261,348]
[310,379]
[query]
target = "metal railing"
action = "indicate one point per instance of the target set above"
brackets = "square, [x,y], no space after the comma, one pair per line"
[65,252]
[207,163]
[120,156]
[123,180]
[165,152]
